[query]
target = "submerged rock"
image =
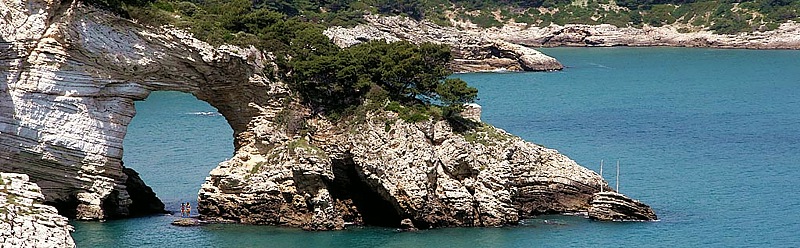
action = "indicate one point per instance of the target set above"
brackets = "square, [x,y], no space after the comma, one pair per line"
[618,207]
[25,221]
[187,222]
[406,225]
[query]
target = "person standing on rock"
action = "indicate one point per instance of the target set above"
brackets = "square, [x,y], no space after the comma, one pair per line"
[188,210]
[183,209]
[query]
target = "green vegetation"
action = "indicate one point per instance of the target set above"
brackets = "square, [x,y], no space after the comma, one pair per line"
[302,143]
[331,80]
[11,199]
[485,134]
[722,16]
[482,18]
[256,168]
[416,113]
[401,72]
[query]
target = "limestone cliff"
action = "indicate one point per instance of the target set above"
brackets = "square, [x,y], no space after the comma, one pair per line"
[787,36]
[69,75]
[471,51]
[25,221]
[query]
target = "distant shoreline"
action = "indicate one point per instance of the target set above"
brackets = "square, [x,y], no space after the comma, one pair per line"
[786,37]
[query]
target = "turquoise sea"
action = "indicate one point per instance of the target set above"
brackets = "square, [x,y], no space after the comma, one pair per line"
[709,138]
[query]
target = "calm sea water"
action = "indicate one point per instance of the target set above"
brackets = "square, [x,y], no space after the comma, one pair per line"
[709,138]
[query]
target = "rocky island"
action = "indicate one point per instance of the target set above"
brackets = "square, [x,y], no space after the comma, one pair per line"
[71,72]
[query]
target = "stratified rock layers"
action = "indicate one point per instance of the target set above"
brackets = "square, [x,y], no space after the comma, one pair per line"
[618,207]
[68,77]
[24,220]
[471,51]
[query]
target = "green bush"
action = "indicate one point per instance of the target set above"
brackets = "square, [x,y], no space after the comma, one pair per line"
[405,73]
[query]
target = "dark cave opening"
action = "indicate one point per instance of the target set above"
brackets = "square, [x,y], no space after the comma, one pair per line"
[349,184]
[67,207]
[143,199]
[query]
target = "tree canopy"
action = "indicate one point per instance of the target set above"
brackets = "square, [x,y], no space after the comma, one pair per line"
[409,73]
[326,77]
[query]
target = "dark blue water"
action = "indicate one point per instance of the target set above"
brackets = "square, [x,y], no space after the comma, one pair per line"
[709,138]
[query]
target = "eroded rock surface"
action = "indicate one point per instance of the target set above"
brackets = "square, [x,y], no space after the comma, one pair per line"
[472,52]
[618,207]
[24,220]
[382,170]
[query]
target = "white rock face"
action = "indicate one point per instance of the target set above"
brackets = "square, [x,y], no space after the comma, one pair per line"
[614,206]
[68,77]
[25,221]
[787,36]
[472,52]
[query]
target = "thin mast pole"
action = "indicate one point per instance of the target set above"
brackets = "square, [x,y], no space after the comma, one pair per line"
[601,174]
[617,175]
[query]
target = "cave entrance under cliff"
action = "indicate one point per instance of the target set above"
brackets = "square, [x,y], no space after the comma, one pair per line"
[349,186]
[173,141]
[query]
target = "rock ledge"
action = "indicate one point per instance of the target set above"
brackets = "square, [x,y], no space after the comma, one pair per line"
[618,207]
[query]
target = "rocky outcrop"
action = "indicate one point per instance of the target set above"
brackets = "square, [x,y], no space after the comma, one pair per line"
[382,170]
[25,221]
[787,36]
[69,75]
[471,52]
[406,225]
[614,206]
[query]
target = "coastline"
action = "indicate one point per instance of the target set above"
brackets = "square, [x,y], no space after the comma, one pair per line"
[786,37]
[512,47]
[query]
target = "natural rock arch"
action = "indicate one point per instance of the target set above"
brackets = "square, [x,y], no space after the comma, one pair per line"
[70,74]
